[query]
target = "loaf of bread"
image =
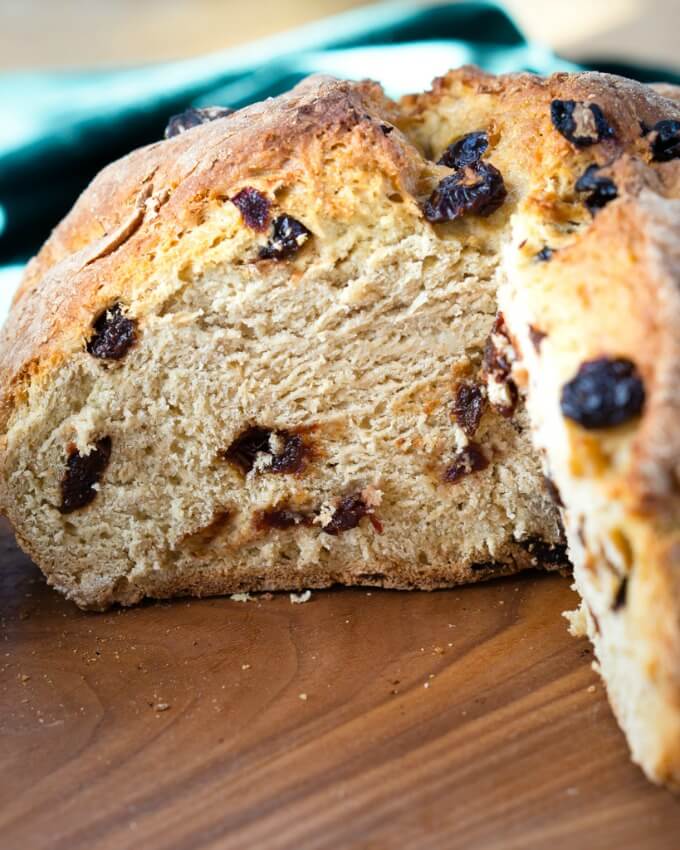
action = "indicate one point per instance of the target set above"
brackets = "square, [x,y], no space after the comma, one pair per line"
[267,353]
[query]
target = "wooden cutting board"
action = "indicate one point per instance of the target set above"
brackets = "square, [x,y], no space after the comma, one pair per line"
[360,719]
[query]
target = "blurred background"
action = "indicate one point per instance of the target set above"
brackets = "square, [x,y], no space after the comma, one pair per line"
[76,33]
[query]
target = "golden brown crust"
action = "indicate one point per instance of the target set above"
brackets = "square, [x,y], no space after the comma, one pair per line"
[611,288]
[105,246]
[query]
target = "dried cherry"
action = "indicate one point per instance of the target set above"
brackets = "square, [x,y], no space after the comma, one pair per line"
[257,440]
[347,515]
[604,393]
[465,151]
[582,124]
[665,140]
[602,189]
[113,335]
[477,189]
[254,208]
[288,236]
[468,406]
[82,472]
[465,462]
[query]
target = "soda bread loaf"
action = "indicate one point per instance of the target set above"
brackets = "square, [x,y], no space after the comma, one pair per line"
[267,354]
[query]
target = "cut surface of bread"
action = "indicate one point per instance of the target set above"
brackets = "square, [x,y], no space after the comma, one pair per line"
[590,294]
[291,347]
[268,371]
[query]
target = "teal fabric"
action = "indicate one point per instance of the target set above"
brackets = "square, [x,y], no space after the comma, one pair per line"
[59,129]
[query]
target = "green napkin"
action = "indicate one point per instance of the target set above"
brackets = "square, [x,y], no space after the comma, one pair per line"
[59,129]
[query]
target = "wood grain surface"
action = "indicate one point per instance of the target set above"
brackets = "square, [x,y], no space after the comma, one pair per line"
[370,720]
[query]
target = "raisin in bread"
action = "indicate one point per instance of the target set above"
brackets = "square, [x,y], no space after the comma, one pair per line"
[266,354]
[590,296]
[247,361]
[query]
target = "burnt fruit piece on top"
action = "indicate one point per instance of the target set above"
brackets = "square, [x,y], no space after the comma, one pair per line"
[193,117]
[602,189]
[544,254]
[465,462]
[288,236]
[477,189]
[665,140]
[582,124]
[290,457]
[347,515]
[604,393]
[468,407]
[465,151]
[113,334]
[82,473]
[254,208]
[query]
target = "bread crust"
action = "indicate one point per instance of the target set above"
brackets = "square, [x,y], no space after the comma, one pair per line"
[144,203]
[611,288]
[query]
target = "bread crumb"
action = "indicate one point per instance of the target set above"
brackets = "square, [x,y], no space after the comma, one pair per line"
[438,650]
[240,597]
[591,689]
[303,697]
[299,598]
[161,706]
[23,678]
[245,666]
[372,496]
[577,622]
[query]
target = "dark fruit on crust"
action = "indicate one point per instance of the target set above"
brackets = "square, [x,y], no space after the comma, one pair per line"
[582,124]
[602,189]
[665,140]
[288,236]
[468,407]
[193,118]
[544,254]
[465,462]
[465,151]
[113,335]
[604,393]
[477,189]
[82,472]
[254,208]
[256,440]
[347,515]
